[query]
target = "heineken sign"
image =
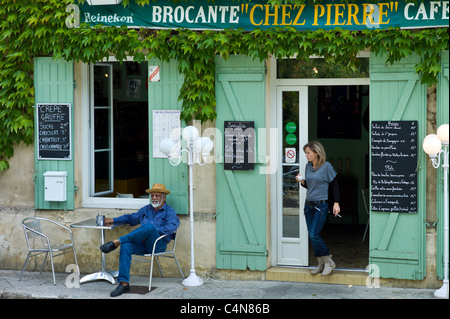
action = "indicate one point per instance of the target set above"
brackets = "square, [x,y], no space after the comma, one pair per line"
[249,15]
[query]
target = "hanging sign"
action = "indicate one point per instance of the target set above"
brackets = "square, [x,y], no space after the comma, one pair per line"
[250,15]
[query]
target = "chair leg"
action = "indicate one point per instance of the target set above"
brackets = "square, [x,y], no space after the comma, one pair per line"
[151,273]
[76,261]
[365,231]
[24,266]
[43,263]
[179,268]
[53,269]
[159,266]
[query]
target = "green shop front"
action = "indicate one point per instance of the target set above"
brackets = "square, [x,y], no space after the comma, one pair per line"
[370,114]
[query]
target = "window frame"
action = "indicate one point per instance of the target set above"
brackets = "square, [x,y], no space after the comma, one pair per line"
[110,149]
[88,200]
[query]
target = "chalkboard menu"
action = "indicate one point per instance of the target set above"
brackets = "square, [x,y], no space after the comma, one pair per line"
[394,164]
[54,131]
[239,145]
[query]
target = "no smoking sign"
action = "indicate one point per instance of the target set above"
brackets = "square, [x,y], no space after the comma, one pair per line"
[290,154]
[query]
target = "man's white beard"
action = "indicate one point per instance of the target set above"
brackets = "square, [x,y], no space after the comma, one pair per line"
[156,203]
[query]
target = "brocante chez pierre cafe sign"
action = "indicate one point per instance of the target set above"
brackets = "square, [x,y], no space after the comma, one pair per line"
[249,15]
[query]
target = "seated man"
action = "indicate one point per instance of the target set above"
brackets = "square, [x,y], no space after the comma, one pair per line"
[156,219]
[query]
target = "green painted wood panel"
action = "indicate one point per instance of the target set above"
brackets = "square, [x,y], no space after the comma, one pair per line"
[442,118]
[241,195]
[398,240]
[53,83]
[163,95]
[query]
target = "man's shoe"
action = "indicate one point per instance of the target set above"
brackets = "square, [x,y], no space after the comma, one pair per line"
[120,289]
[108,247]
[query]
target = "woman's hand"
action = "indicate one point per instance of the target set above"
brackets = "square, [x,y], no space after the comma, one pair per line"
[336,210]
[299,178]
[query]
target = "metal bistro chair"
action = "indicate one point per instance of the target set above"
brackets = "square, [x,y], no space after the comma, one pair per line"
[33,228]
[365,196]
[170,253]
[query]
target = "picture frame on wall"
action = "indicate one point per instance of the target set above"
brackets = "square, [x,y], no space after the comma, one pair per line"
[133,69]
[133,89]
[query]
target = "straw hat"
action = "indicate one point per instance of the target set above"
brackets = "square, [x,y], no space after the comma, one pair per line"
[158,188]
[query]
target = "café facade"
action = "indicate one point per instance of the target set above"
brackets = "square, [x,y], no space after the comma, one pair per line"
[98,128]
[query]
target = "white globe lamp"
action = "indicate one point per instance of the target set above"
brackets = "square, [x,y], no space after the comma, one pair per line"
[190,134]
[432,144]
[442,133]
[166,146]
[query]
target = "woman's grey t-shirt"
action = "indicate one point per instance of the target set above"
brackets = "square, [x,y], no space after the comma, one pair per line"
[318,181]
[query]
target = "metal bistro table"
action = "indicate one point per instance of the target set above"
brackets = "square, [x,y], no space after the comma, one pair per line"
[103,274]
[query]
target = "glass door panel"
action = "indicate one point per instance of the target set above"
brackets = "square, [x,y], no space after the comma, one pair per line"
[290,142]
[292,122]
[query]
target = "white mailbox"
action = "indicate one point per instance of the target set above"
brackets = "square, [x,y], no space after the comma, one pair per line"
[55,186]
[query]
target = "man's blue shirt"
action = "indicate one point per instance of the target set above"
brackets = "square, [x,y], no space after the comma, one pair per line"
[165,219]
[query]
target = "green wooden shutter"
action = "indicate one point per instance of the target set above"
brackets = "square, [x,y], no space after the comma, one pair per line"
[398,240]
[53,83]
[442,118]
[163,95]
[241,198]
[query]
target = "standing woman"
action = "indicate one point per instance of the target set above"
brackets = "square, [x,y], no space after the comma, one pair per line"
[319,175]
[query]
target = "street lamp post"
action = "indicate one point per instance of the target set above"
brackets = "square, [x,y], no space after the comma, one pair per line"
[435,146]
[197,149]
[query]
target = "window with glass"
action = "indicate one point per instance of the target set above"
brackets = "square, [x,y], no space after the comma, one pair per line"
[318,68]
[119,130]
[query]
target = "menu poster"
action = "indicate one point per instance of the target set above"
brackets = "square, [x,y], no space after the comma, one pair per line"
[166,123]
[54,131]
[239,145]
[394,163]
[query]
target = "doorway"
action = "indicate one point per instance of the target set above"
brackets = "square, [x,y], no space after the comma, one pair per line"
[338,118]
[335,112]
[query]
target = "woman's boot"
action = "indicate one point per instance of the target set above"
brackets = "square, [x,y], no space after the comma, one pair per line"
[329,265]
[319,268]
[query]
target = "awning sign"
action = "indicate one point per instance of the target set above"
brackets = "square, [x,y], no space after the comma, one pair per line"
[249,15]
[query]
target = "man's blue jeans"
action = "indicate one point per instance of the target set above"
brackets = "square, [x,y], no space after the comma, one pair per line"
[315,216]
[140,241]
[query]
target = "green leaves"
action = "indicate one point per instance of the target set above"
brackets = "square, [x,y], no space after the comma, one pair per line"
[37,28]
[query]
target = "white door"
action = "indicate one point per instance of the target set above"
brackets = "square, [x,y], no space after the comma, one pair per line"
[292,124]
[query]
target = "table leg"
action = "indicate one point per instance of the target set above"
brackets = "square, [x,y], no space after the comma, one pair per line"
[103,274]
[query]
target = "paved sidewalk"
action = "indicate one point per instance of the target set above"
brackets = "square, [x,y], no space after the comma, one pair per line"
[40,286]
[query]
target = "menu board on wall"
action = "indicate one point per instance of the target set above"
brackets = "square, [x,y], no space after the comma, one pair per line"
[54,131]
[239,146]
[394,163]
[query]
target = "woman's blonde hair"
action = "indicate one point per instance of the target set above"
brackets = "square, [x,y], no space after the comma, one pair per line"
[317,148]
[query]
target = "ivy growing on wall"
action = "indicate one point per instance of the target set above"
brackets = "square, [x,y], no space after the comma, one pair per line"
[38,28]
